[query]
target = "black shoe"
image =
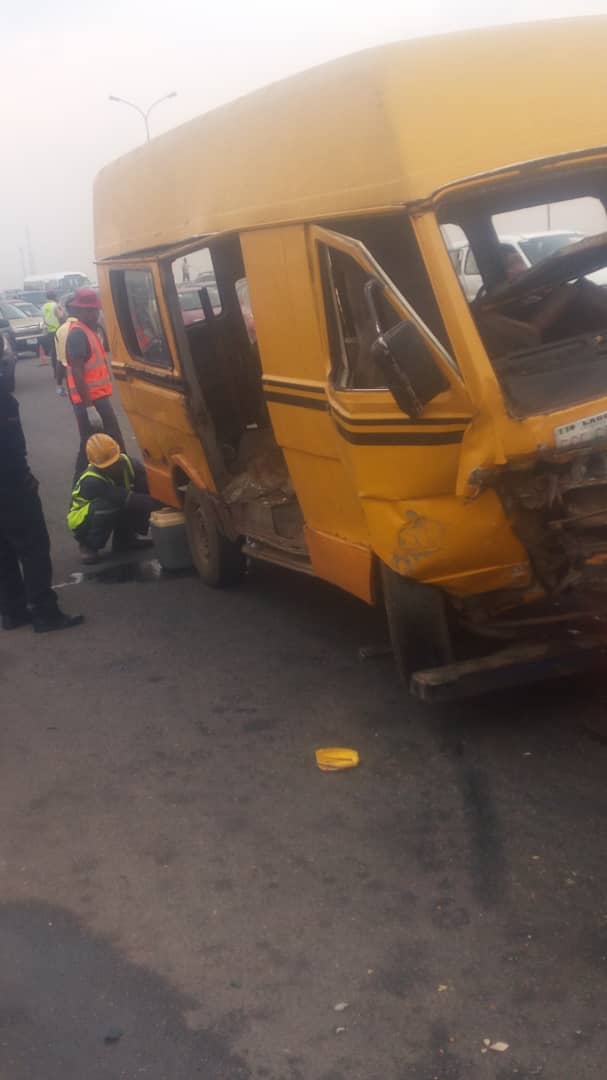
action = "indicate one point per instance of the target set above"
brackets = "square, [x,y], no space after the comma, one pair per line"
[16,619]
[58,620]
[87,555]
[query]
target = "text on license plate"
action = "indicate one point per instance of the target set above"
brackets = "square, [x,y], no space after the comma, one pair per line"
[582,431]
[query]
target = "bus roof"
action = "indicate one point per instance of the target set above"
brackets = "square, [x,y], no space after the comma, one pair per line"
[383,127]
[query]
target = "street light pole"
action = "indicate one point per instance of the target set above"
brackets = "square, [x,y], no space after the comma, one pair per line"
[144,113]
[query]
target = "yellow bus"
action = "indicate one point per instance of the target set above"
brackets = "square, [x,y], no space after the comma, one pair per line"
[282,280]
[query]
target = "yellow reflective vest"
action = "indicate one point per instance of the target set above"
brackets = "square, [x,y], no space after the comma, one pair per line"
[80,507]
[49,312]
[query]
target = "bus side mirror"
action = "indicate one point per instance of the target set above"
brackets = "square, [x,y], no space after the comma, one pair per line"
[405,361]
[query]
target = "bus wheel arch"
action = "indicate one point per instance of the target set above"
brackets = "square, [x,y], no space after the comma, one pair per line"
[420,623]
[179,483]
[219,560]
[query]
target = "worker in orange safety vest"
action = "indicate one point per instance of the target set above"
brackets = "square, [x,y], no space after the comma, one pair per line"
[89,382]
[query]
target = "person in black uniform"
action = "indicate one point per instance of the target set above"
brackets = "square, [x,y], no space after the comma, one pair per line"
[26,595]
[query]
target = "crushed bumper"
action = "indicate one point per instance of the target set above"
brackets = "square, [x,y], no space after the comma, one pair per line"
[516,665]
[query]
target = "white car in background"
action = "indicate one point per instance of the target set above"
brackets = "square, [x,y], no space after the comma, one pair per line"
[532,248]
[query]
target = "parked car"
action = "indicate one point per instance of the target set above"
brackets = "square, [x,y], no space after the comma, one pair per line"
[32,296]
[28,331]
[190,303]
[31,311]
[531,247]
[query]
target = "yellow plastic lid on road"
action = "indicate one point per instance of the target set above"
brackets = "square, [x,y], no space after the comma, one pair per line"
[336,758]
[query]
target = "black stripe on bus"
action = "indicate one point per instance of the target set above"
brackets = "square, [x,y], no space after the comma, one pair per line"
[294,399]
[168,381]
[270,383]
[370,422]
[287,384]
[400,438]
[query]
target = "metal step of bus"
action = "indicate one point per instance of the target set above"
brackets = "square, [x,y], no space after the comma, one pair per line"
[279,556]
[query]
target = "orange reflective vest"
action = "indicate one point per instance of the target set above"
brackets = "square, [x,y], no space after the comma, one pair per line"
[96,371]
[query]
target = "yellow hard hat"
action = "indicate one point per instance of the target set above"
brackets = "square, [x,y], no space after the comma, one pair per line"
[102,451]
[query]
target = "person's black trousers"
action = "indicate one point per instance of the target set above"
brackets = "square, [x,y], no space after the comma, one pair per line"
[52,348]
[104,518]
[25,559]
[105,411]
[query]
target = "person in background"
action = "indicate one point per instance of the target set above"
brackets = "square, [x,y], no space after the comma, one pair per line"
[67,319]
[26,595]
[89,383]
[185,270]
[51,313]
[514,264]
[111,497]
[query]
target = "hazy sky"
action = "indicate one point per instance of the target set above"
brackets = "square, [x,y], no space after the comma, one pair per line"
[58,127]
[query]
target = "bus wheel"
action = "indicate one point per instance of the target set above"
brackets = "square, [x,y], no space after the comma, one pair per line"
[418,621]
[219,560]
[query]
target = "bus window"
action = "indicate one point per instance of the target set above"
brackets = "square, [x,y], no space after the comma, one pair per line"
[136,306]
[196,284]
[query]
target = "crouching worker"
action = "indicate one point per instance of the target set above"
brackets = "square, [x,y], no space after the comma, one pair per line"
[111,497]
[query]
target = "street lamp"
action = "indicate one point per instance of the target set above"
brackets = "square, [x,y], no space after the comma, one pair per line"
[144,113]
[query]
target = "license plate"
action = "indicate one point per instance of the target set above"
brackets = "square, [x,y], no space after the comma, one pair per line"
[33,341]
[580,432]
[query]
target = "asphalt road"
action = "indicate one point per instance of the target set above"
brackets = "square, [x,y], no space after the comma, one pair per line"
[184,894]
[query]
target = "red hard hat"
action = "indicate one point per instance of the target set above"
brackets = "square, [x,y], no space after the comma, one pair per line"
[85,298]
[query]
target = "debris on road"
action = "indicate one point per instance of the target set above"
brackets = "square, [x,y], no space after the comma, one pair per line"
[113,1035]
[341,1005]
[335,758]
[442,987]
[499,1047]
[339,1030]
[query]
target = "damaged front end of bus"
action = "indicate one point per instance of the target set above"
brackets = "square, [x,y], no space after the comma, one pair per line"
[535,240]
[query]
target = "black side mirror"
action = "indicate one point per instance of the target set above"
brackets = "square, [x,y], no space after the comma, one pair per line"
[405,360]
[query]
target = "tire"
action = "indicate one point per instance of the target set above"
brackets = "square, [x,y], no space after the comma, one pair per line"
[418,621]
[218,560]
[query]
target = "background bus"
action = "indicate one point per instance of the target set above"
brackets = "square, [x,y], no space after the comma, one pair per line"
[62,282]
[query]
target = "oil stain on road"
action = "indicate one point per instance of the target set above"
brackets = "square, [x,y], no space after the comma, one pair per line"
[71,1006]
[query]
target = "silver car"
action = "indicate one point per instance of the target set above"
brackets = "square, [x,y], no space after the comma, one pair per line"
[28,330]
[31,310]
